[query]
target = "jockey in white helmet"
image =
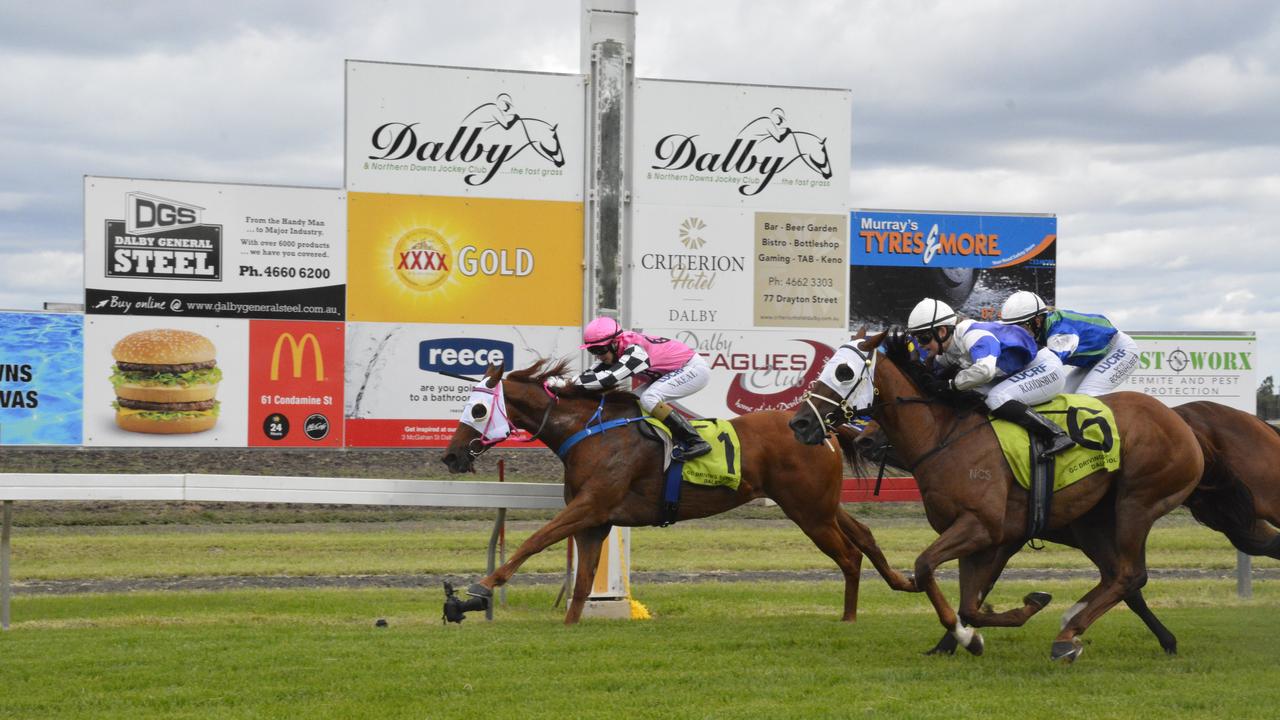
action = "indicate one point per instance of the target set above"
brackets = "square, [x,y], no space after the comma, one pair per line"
[666,370]
[1099,357]
[999,361]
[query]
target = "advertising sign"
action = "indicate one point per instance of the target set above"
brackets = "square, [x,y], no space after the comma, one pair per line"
[187,249]
[395,396]
[464,260]
[701,268]
[973,262]
[158,382]
[741,145]
[295,383]
[754,370]
[423,130]
[1179,367]
[41,378]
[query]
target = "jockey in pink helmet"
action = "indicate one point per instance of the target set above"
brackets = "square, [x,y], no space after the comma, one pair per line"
[666,370]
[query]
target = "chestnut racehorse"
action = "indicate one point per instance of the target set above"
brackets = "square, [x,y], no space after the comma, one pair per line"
[972,500]
[616,477]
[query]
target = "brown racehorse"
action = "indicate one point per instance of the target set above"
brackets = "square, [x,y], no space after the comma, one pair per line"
[1239,494]
[616,478]
[972,500]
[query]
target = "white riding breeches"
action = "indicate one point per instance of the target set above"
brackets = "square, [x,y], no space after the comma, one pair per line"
[1037,383]
[1108,374]
[689,379]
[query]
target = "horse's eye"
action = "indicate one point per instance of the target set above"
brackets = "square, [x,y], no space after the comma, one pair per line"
[844,373]
[479,411]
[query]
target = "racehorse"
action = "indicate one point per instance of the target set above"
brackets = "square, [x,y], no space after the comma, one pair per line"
[616,477]
[972,500]
[1239,494]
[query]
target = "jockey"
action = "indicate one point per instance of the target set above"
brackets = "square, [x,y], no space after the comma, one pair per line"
[1100,356]
[668,368]
[999,361]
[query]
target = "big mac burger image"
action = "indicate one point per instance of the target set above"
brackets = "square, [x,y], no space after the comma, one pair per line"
[165,382]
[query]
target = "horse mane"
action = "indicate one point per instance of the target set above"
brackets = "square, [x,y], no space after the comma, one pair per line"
[546,368]
[899,348]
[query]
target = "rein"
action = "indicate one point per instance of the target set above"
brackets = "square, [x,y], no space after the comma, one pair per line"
[947,440]
[596,429]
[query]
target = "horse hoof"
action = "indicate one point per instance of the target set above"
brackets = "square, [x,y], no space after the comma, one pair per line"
[945,646]
[480,591]
[1067,651]
[976,645]
[1038,600]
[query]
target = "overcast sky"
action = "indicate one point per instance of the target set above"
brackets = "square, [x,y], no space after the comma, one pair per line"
[1151,128]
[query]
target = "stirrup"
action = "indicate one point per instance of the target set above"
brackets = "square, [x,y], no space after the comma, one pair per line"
[1057,443]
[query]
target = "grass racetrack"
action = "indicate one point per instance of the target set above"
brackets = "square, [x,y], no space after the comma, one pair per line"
[713,649]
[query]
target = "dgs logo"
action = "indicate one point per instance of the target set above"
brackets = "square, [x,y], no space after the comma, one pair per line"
[151,213]
[462,355]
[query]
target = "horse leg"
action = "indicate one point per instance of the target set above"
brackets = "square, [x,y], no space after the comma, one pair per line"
[588,542]
[581,513]
[860,535]
[978,574]
[1130,574]
[830,540]
[966,535]
[1097,542]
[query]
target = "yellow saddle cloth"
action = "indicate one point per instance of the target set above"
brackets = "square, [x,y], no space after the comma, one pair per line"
[722,467]
[1089,422]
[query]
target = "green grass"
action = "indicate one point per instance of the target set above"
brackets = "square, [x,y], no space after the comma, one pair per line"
[713,650]
[457,547]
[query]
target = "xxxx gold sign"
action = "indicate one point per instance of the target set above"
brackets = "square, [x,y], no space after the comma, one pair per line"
[463,260]
[297,352]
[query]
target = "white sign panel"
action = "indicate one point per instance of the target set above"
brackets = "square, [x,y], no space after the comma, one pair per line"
[424,130]
[188,249]
[741,145]
[1178,368]
[754,370]
[395,394]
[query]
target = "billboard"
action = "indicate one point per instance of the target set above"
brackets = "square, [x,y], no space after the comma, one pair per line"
[295,383]
[395,396]
[426,130]
[41,378]
[753,370]
[1179,367]
[188,249]
[464,260]
[971,261]
[714,144]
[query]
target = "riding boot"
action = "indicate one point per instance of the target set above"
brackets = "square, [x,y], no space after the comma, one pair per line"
[1033,422]
[682,431]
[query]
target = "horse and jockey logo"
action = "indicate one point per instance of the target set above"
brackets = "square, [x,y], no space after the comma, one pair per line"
[487,138]
[761,150]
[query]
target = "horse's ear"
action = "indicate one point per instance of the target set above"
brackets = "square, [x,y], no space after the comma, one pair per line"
[555,127]
[874,341]
[862,332]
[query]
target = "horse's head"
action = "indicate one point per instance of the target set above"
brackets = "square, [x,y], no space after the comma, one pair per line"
[545,140]
[813,151]
[483,424]
[844,387]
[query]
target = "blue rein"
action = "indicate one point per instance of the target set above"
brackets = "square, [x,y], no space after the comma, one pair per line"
[594,429]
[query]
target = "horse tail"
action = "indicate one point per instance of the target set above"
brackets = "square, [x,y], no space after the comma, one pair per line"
[1223,502]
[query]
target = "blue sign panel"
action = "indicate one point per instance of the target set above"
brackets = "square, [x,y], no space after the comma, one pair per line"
[920,239]
[41,379]
[463,355]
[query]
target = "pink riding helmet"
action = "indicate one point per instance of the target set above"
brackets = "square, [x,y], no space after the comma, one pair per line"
[600,331]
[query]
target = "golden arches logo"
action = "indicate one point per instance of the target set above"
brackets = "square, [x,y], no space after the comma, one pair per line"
[297,351]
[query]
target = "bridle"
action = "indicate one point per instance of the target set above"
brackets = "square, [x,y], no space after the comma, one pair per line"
[499,405]
[842,405]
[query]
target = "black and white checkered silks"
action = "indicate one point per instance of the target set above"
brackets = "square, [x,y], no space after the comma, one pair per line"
[633,361]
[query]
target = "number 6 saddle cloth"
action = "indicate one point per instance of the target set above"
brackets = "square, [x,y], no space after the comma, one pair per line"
[722,467]
[1087,420]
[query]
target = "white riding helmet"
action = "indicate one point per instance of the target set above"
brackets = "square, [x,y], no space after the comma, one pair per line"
[930,313]
[1021,307]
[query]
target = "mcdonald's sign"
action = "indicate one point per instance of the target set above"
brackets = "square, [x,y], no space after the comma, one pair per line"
[297,352]
[292,400]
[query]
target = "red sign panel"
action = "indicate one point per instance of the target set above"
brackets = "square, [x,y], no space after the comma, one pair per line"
[295,383]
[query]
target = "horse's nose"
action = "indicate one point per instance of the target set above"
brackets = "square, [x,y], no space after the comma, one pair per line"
[864,443]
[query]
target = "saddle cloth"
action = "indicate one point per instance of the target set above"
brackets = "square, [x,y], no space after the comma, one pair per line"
[1087,420]
[722,467]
